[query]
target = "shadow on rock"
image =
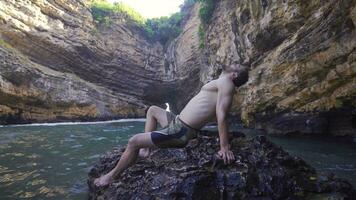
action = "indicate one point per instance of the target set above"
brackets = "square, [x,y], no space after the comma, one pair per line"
[261,170]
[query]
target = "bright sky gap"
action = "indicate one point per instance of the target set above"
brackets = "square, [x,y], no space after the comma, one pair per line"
[153,8]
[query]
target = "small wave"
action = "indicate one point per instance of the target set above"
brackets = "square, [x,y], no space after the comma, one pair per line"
[342,167]
[76,146]
[99,138]
[338,169]
[82,164]
[76,123]
[122,128]
[69,140]
[111,130]
[78,188]
[94,156]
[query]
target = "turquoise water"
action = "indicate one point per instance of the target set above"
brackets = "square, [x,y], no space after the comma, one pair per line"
[326,154]
[52,161]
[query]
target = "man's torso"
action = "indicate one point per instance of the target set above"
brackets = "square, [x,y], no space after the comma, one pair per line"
[201,109]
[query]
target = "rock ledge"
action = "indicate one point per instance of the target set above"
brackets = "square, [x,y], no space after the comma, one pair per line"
[262,170]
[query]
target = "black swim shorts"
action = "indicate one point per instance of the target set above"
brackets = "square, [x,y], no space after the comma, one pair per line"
[175,135]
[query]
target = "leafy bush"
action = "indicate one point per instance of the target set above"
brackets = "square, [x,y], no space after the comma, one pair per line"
[101,11]
[206,10]
[201,37]
[162,29]
[205,13]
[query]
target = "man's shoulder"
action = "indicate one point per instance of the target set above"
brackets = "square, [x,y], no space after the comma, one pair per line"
[225,84]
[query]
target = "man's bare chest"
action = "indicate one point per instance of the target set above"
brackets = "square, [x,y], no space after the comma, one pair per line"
[210,86]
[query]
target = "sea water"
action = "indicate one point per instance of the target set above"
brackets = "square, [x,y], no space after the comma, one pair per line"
[51,161]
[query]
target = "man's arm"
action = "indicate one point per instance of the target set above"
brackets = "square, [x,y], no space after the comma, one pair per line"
[224,99]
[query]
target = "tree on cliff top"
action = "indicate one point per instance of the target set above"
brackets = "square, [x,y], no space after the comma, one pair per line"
[162,29]
[102,9]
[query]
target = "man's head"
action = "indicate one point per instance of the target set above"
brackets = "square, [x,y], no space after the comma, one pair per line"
[238,73]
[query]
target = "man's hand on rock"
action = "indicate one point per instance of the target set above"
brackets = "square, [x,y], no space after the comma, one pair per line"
[226,155]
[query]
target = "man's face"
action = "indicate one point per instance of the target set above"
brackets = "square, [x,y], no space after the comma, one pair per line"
[234,70]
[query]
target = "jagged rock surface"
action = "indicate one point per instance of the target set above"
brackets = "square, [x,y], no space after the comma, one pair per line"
[56,63]
[302,62]
[262,170]
[301,56]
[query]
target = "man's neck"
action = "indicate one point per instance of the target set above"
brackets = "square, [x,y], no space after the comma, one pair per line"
[223,74]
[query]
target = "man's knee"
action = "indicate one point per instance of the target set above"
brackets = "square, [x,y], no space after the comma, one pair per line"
[133,142]
[152,110]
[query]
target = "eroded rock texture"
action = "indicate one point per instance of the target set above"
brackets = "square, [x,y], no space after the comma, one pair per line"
[262,170]
[302,62]
[56,64]
[301,56]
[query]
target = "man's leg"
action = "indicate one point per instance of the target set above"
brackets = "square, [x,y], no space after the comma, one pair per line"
[154,114]
[128,158]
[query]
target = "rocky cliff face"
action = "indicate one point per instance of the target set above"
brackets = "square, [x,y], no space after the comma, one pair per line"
[183,61]
[301,56]
[56,64]
[302,62]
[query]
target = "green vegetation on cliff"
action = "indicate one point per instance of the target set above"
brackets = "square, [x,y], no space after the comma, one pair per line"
[206,10]
[205,13]
[201,37]
[161,29]
[102,10]
[5,44]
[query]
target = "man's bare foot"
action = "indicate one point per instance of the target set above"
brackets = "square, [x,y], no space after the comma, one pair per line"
[144,152]
[103,180]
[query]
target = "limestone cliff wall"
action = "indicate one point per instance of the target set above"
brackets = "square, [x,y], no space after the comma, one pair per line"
[302,62]
[183,61]
[56,64]
[301,57]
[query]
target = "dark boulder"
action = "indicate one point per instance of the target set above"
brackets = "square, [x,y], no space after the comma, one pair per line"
[262,170]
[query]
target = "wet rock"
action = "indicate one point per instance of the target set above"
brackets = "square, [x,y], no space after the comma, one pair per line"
[261,170]
[337,122]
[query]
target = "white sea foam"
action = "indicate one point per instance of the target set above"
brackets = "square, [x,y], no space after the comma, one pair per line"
[76,123]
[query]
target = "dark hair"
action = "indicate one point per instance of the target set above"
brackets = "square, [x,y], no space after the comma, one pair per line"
[242,76]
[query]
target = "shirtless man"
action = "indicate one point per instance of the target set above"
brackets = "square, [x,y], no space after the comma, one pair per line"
[212,102]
